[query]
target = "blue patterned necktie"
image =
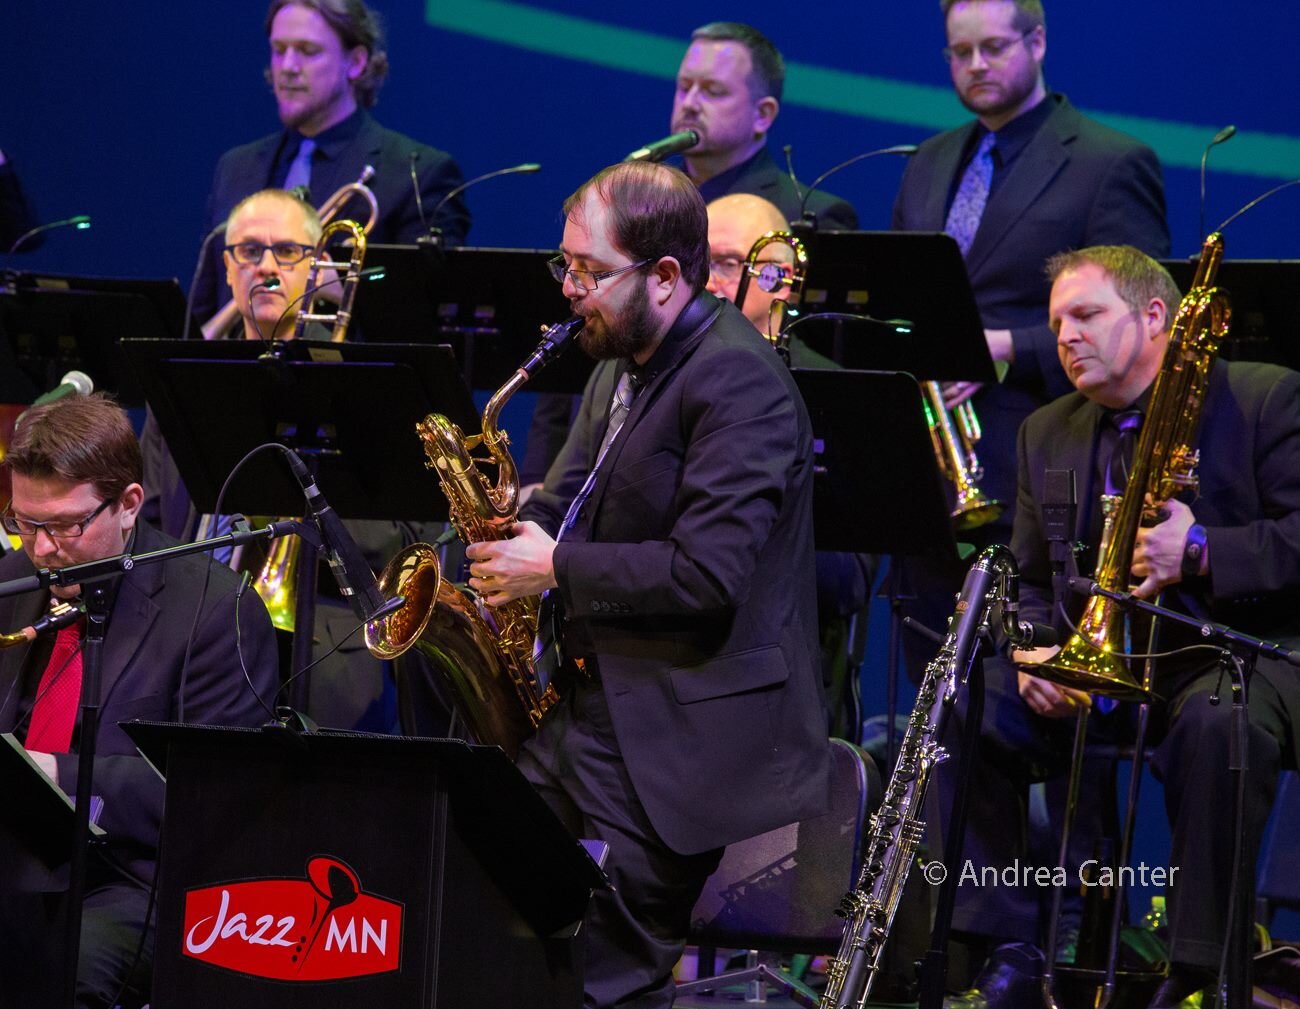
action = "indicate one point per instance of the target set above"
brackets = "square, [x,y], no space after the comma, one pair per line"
[547,656]
[300,167]
[972,196]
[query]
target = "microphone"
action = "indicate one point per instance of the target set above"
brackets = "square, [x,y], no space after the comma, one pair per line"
[81,222]
[435,233]
[1083,586]
[74,383]
[355,579]
[1227,133]
[788,150]
[904,149]
[672,144]
[1034,635]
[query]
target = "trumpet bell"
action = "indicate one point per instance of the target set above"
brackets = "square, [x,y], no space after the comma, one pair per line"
[1083,665]
[276,582]
[974,510]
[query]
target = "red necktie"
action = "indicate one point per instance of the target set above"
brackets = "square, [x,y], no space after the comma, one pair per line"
[55,712]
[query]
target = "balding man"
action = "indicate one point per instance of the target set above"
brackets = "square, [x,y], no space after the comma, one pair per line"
[736,222]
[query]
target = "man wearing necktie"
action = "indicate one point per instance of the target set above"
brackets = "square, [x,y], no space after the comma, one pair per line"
[76,472]
[673,537]
[327,64]
[1231,554]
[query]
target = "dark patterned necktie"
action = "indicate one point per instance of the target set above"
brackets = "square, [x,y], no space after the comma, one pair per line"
[972,196]
[1129,424]
[547,655]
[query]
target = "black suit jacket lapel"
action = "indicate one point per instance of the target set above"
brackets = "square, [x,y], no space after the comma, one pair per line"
[1033,171]
[946,161]
[133,614]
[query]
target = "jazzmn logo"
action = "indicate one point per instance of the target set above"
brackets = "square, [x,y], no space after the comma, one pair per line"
[321,928]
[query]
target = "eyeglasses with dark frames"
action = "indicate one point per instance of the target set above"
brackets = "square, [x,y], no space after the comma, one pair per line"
[585,280]
[55,529]
[285,253]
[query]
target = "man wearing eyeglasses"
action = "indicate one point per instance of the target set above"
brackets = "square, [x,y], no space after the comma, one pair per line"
[76,471]
[673,540]
[269,240]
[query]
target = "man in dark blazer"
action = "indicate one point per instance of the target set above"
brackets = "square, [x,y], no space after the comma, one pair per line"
[1059,181]
[729,92]
[327,65]
[1232,555]
[681,589]
[76,470]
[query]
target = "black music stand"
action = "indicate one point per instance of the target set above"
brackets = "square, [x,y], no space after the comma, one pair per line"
[489,305]
[482,888]
[349,410]
[36,841]
[1265,309]
[917,278]
[877,489]
[55,323]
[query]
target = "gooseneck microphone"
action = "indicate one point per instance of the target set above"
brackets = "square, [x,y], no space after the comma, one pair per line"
[356,581]
[1227,133]
[74,383]
[81,222]
[434,235]
[672,144]
[906,150]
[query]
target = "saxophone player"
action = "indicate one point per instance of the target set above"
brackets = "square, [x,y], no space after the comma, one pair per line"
[679,560]
[1231,555]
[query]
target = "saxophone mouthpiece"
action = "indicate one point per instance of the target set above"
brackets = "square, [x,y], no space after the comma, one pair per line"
[554,341]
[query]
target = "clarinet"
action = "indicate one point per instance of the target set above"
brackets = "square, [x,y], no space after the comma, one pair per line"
[896,828]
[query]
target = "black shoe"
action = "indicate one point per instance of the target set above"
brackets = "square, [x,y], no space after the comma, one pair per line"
[1183,981]
[1011,979]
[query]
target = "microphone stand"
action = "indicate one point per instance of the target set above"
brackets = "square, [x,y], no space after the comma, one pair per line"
[96,574]
[1238,657]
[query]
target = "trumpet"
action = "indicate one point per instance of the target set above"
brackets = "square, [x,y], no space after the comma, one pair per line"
[771,277]
[954,436]
[220,324]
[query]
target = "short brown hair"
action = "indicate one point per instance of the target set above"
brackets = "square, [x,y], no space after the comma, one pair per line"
[1136,276]
[767,76]
[80,439]
[356,25]
[657,211]
[1029,13]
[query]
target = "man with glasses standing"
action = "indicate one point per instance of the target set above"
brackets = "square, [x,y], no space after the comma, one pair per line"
[1030,177]
[673,540]
[76,470]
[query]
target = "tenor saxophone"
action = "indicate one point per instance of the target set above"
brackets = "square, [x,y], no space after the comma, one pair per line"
[484,656]
[896,828]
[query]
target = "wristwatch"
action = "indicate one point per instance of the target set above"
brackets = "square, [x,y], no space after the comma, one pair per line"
[1193,551]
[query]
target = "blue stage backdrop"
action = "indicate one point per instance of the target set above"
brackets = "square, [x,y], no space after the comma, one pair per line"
[120,110]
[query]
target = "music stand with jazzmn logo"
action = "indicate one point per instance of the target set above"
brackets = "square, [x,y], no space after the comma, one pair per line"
[354,871]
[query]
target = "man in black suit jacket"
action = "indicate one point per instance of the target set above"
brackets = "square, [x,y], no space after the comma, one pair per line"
[76,473]
[1232,555]
[682,576]
[1060,181]
[729,92]
[327,64]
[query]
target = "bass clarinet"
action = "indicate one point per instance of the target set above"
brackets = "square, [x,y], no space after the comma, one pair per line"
[896,828]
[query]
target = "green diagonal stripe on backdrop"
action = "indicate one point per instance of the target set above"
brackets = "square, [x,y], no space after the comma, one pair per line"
[1179,145]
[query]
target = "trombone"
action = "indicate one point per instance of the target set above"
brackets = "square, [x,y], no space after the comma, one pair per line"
[771,277]
[220,325]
